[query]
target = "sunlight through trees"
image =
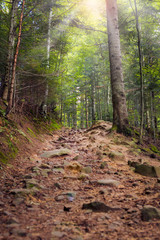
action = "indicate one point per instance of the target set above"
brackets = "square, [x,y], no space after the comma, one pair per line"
[65,63]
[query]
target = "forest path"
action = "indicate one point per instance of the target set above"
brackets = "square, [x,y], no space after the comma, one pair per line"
[46,197]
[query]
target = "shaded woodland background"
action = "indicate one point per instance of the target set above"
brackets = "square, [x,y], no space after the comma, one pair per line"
[63,60]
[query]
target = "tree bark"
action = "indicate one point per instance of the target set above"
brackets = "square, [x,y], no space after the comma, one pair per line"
[93,98]
[120,114]
[86,109]
[153,115]
[48,50]
[11,44]
[140,72]
[11,90]
[82,112]
[74,115]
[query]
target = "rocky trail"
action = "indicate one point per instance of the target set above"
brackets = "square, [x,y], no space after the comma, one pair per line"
[78,185]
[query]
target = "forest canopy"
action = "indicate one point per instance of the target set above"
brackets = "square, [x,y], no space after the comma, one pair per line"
[63,64]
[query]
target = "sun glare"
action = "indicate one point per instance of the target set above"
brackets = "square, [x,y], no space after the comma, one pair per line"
[93,4]
[94,7]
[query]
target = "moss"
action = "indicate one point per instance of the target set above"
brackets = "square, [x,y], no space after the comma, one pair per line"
[11,147]
[24,135]
[3,157]
[134,152]
[29,130]
[53,126]
[114,128]
[2,112]
[136,132]
[30,185]
[146,150]
[103,165]
[134,140]
[127,131]
[45,125]
[154,149]
[21,132]
[151,149]
[12,135]
[1,129]
[116,155]
[10,165]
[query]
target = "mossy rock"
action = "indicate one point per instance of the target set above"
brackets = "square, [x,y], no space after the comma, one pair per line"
[57,152]
[58,170]
[149,212]
[109,182]
[45,166]
[76,157]
[32,183]
[132,163]
[147,170]
[23,192]
[103,165]
[83,176]
[87,170]
[116,156]
[36,170]
[74,166]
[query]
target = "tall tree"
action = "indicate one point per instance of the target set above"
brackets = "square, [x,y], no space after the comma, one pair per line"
[48,49]
[120,114]
[11,88]
[140,71]
[10,55]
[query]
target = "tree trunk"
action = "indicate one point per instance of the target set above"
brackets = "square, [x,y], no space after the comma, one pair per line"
[108,100]
[11,43]
[61,109]
[68,119]
[120,114]
[93,98]
[82,112]
[153,115]
[86,109]
[140,72]
[75,115]
[11,89]
[48,50]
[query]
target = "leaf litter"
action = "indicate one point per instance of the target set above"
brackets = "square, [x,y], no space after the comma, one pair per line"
[71,203]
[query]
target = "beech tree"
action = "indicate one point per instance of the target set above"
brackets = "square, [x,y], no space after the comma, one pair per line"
[120,114]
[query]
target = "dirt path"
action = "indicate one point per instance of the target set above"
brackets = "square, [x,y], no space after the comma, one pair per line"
[46,197]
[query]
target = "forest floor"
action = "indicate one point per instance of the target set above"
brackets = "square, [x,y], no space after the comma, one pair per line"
[46,197]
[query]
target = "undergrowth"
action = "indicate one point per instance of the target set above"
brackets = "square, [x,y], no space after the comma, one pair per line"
[19,130]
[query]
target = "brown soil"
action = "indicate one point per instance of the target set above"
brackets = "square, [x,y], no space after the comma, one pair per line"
[49,214]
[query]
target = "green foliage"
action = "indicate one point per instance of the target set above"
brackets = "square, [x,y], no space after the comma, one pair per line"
[30,131]
[154,149]
[54,125]
[77,71]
